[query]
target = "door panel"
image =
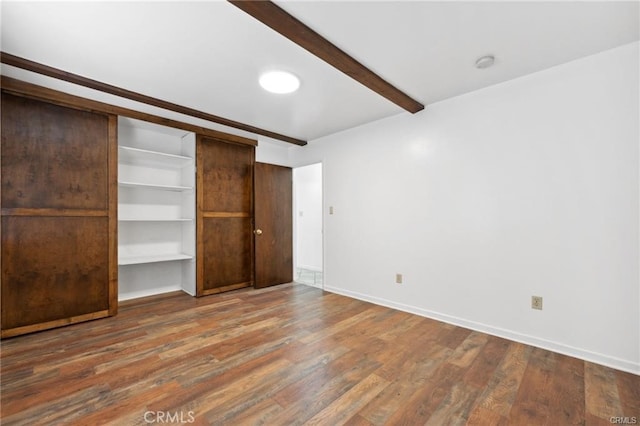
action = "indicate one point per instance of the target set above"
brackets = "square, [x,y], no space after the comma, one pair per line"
[224,216]
[59,220]
[230,267]
[54,268]
[52,156]
[227,176]
[274,225]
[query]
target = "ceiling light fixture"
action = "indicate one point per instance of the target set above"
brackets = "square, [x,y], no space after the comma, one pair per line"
[279,82]
[485,61]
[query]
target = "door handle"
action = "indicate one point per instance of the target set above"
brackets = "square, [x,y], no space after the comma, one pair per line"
[258,232]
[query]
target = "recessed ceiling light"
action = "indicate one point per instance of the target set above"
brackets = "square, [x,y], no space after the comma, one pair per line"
[485,61]
[279,82]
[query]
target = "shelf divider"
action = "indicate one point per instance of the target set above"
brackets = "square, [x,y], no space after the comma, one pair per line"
[155,220]
[138,260]
[139,156]
[174,188]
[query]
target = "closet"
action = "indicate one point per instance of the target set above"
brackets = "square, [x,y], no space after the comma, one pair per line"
[58,175]
[98,208]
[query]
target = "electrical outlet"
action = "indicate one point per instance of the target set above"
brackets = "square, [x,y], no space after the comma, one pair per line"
[399,278]
[536,302]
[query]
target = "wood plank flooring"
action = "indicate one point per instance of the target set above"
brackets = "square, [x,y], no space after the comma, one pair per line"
[290,355]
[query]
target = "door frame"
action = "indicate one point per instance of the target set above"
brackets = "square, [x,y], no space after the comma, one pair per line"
[323,219]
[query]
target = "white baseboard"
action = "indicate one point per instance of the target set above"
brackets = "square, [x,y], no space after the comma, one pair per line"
[310,268]
[606,360]
[309,284]
[150,292]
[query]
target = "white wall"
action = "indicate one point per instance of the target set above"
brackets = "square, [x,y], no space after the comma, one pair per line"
[529,187]
[272,153]
[307,183]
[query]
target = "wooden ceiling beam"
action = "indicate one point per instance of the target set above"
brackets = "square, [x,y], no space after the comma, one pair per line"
[59,74]
[287,25]
[29,90]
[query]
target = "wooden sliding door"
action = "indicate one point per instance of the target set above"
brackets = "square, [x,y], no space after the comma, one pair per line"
[59,223]
[224,215]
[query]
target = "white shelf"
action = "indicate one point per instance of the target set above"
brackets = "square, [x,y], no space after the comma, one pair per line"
[174,188]
[156,208]
[152,158]
[154,220]
[137,260]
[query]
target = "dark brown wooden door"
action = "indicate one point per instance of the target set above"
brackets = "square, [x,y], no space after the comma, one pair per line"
[273,194]
[224,216]
[59,223]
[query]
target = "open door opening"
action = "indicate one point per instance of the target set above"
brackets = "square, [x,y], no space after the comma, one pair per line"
[307,184]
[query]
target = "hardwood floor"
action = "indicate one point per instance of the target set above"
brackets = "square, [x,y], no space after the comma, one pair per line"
[293,354]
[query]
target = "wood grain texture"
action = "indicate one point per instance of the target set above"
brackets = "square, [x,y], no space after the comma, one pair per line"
[228,252]
[226,214]
[293,354]
[43,69]
[17,331]
[566,395]
[53,157]
[273,197]
[59,219]
[501,391]
[112,208]
[54,212]
[224,209]
[290,27]
[601,391]
[53,268]
[227,176]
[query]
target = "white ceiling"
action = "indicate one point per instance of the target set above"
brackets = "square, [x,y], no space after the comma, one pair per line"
[208,55]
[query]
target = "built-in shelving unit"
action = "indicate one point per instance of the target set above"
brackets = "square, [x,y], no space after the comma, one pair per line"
[156,209]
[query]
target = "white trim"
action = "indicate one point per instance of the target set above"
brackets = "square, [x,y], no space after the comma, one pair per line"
[606,360]
[308,284]
[310,268]
[150,292]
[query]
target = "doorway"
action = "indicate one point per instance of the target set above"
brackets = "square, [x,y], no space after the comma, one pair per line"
[308,259]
